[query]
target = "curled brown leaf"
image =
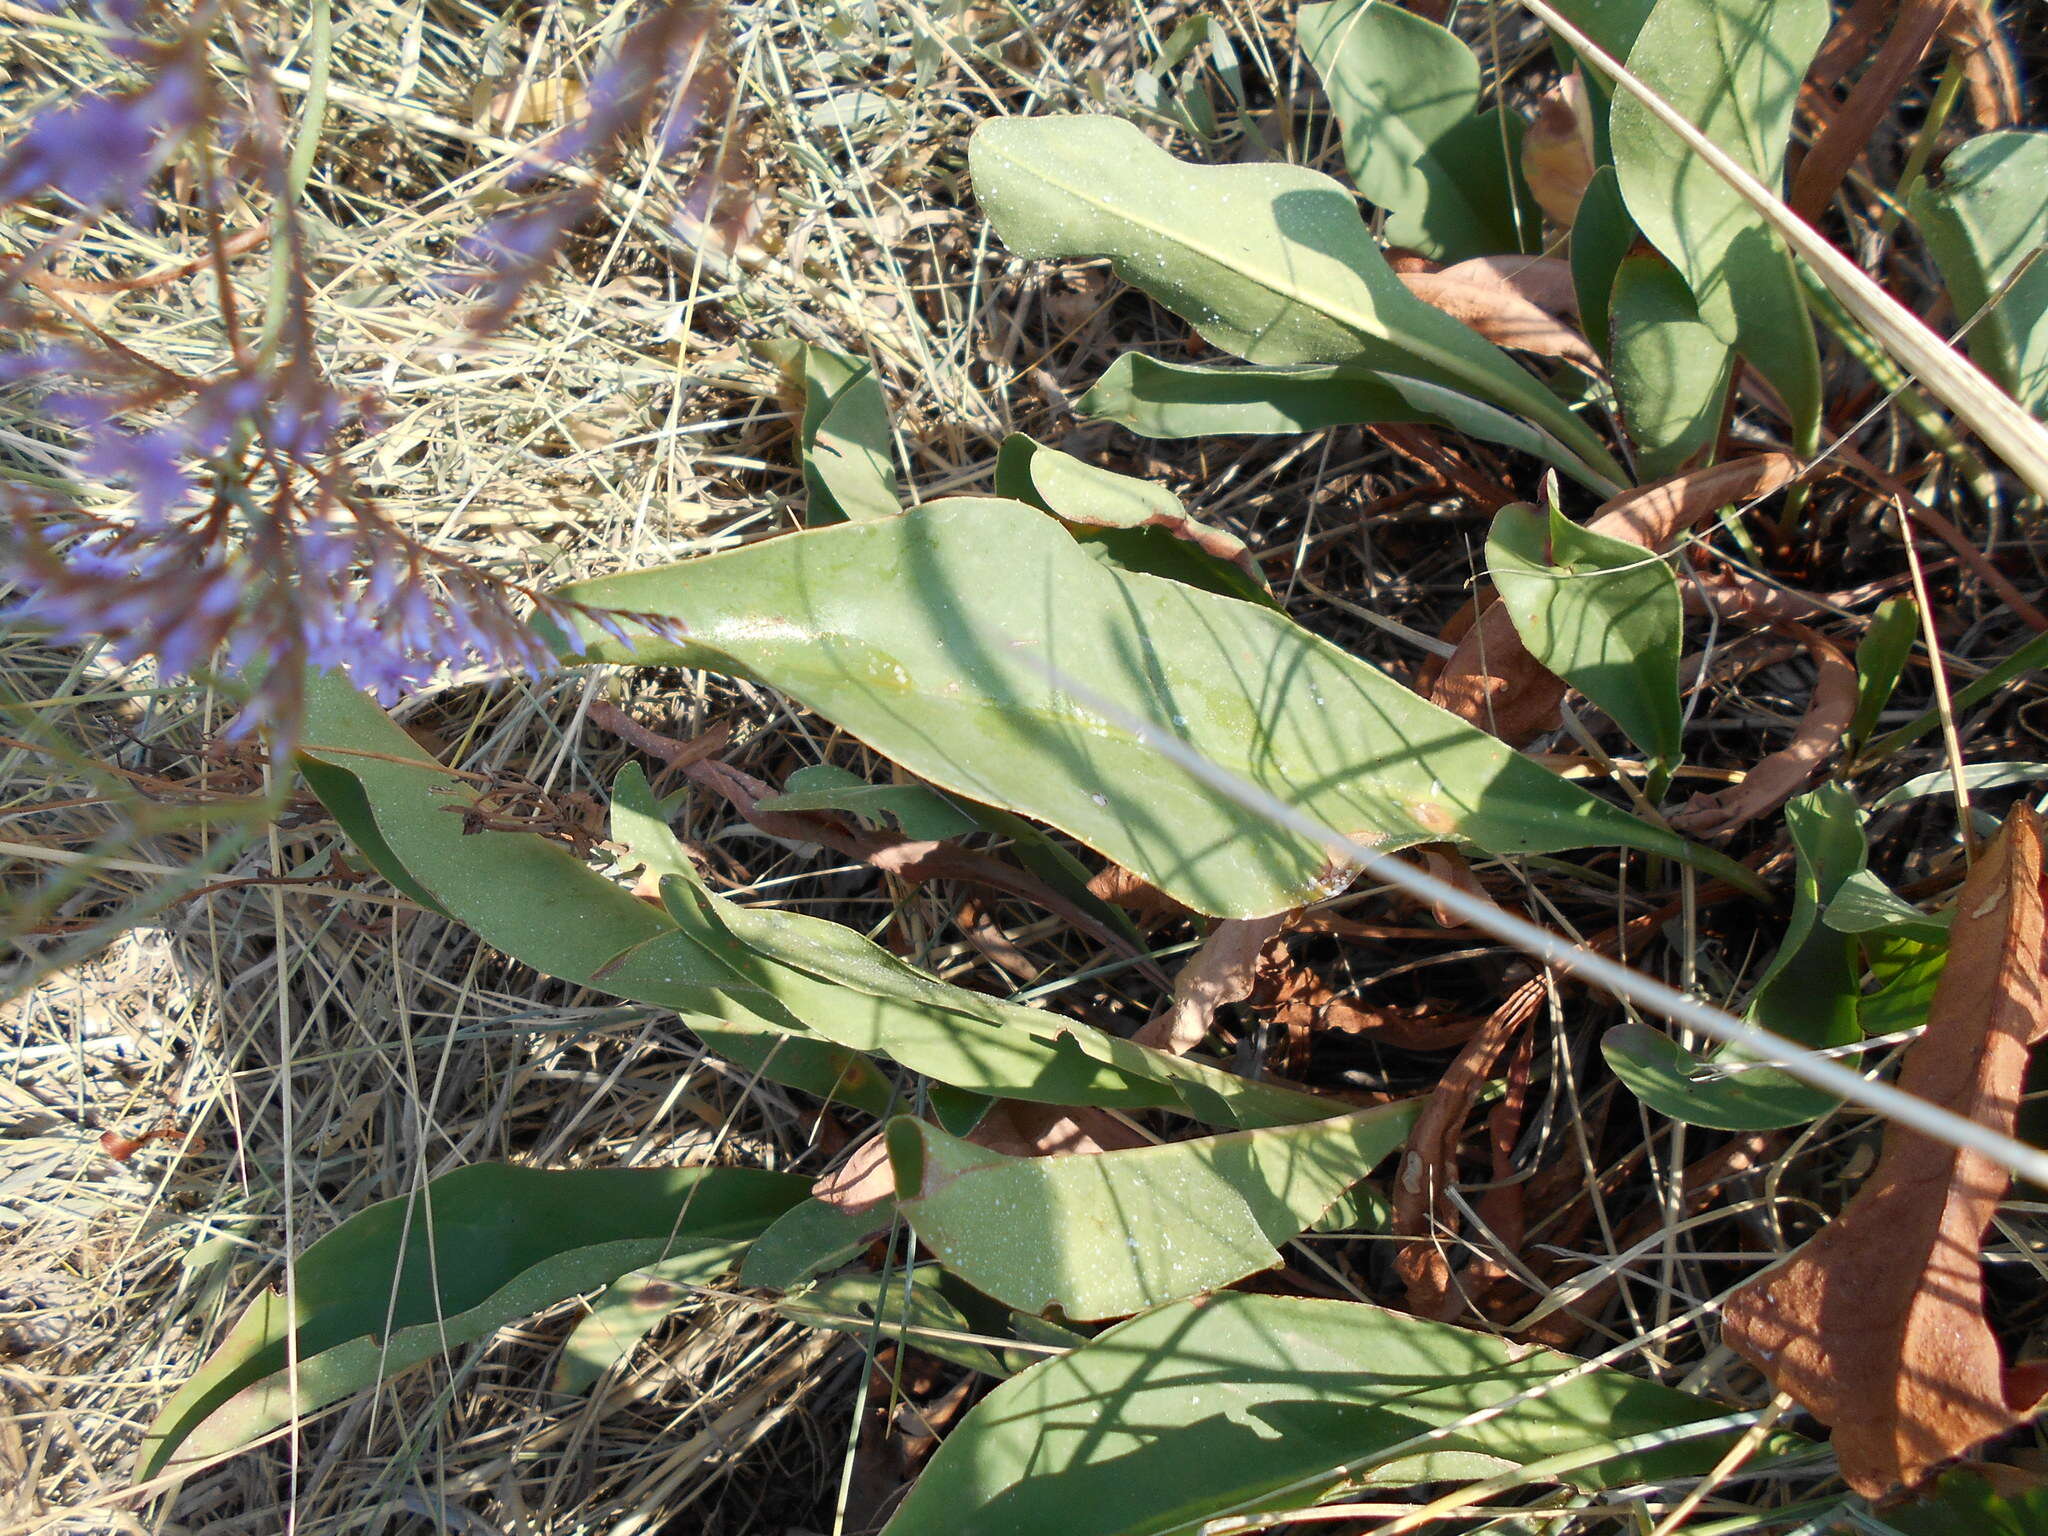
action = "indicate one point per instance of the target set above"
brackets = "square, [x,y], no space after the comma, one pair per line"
[1876,96]
[1877,1325]
[1222,971]
[1780,776]
[1479,295]
[1557,150]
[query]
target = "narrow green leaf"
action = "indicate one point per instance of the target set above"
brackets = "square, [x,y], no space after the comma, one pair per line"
[1406,94]
[1601,237]
[1733,68]
[843,441]
[1603,614]
[632,1307]
[1808,993]
[1880,659]
[907,1307]
[1269,262]
[808,1239]
[2030,657]
[1975,776]
[1984,217]
[918,811]
[1235,1404]
[1112,1233]
[1156,398]
[929,636]
[407,1279]
[1671,371]
[1475,418]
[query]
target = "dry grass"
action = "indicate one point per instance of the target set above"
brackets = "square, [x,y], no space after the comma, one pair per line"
[327,1046]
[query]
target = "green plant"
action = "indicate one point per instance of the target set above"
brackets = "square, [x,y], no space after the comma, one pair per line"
[1027,656]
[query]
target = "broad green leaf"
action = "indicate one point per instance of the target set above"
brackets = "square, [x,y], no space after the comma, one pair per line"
[408,1279]
[1270,262]
[1406,94]
[1133,523]
[1967,1500]
[907,1307]
[1156,398]
[1233,1404]
[810,1023]
[920,812]
[1603,614]
[1807,994]
[640,827]
[1733,68]
[843,441]
[1671,371]
[1865,904]
[1880,658]
[632,1307]
[1109,1234]
[808,1239]
[1601,237]
[1984,217]
[1613,24]
[946,640]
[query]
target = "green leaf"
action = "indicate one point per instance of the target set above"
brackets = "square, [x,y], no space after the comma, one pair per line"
[1733,67]
[930,637]
[1613,24]
[1671,371]
[1865,904]
[1603,614]
[1808,994]
[1155,398]
[920,812]
[632,1307]
[1405,92]
[909,1308]
[1966,1500]
[408,1279]
[799,1000]
[1234,1404]
[852,991]
[1111,1233]
[1269,262]
[843,440]
[1975,776]
[529,896]
[1602,235]
[1983,217]
[1475,418]
[1880,658]
[808,1239]
[2030,657]
[1136,524]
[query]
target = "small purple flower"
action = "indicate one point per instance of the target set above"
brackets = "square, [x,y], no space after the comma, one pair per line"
[100,150]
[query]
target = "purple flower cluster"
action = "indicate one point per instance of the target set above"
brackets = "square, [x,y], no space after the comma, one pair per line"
[241,538]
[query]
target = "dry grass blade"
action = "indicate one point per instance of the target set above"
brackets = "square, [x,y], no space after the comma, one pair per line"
[1997,418]
[1878,1324]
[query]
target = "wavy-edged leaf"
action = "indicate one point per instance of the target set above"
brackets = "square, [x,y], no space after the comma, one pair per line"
[939,638]
[1983,217]
[407,1279]
[1157,398]
[1671,371]
[1271,263]
[1733,68]
[1406,95]
[1602,613]
[809,1024]
[1111,1233]
[1235,1403]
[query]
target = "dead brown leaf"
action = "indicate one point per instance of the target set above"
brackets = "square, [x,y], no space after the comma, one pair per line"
[1780,776]
[1557,150]
[1479,294]
[1973,32]
[1222,971]
[1877,1326]
[1876,96]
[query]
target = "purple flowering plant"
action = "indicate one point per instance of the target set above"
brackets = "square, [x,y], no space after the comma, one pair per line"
[214,524]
